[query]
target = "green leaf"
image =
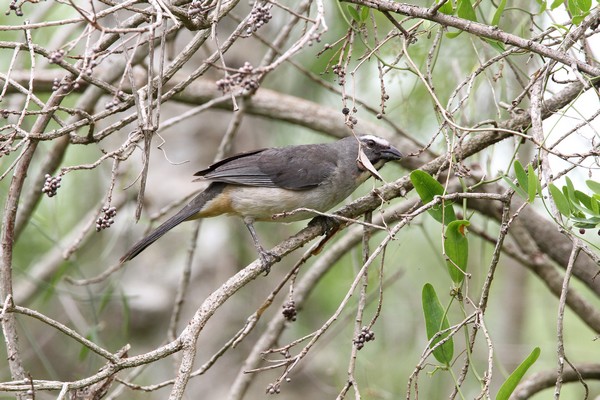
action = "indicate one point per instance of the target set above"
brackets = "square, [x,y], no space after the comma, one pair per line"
[447,8]
[584,199]
[354,13]
[562,203]
[543,6]
[364,13]
[518,189]
[521,174]
[556,4]
[496,44]
[452,35]
[584,5]
[436,321]
[570,189]
[427,188]
[595,186]
[513,380]
[532,183]
[573,7]
[586,223]
[595,206]
[498,13]
[456,247]
[464,9]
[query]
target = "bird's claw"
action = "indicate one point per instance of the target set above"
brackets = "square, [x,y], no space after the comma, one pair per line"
[268,259]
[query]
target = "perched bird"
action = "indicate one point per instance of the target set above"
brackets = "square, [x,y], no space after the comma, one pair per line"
[259,184]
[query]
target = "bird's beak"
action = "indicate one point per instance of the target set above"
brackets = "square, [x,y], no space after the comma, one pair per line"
[392,154]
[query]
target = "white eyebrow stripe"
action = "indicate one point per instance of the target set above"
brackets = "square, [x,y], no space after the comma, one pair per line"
[376,139]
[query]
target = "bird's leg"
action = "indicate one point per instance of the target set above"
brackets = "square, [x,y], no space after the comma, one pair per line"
[266,257]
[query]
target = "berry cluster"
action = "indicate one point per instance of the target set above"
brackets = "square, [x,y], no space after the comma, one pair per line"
[56,56]
[115,100]
[55,84]
[273,388]
[66,84]
[89,67]
[199,7]
[351,120]
[289,310]
[243,78]
[384,97]
[365,335]
[260,15]
[340,72]
[315,37]
[106,220]
[51,185]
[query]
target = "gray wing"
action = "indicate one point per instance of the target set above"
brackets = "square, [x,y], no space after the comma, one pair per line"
[295,167]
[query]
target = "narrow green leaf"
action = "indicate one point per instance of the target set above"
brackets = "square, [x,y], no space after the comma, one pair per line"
[584,199]
[436,321]
[595,186]
[521,175]
[447,8]
[578,210]
[518,189]
[560,200]
[543,6]
[589,205]
[556,4]
[456,247]
[84,351]
[573,7]
[579,18]
[496,44]
[498,13]
[364,13]
[513,380]
[452,35]
[586,223]
[427,188]
[570,189]
[532,183]
[464,9]
[354,13]
[595,206]
[584,5]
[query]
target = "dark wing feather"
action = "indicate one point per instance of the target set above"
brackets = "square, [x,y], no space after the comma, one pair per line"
[299,167]
[294,167]
[241,169]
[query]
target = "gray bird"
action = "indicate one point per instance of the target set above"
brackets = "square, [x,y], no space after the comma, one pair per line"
[259,184]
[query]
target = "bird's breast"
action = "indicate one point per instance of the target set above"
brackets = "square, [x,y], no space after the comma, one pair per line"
[262,203]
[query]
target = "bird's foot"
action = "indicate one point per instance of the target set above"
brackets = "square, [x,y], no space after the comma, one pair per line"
[268,259]
[328,224]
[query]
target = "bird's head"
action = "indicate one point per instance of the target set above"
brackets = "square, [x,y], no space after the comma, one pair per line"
[378,150]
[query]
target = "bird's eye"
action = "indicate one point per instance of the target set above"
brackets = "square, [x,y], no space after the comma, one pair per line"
[370,143]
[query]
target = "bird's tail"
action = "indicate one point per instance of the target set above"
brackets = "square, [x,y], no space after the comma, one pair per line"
[187,212]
